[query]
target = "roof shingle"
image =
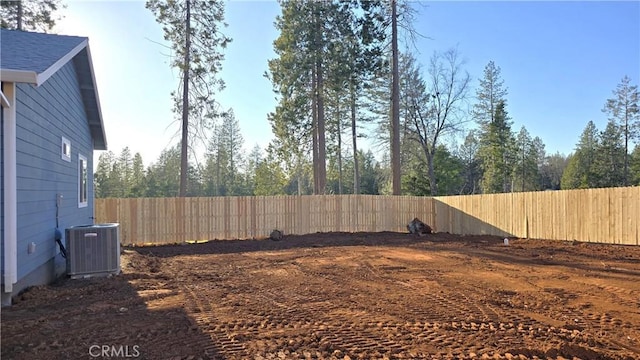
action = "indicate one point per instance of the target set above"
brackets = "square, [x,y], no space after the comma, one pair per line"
[31,57]
[28,51]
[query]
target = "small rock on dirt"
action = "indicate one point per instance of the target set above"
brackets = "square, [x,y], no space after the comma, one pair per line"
[276,235]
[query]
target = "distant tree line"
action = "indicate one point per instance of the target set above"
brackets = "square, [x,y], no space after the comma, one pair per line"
[492,158]
[337,70]
[225,171]
[327,90]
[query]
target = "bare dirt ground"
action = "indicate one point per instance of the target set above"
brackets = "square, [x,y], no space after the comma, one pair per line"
[342,296]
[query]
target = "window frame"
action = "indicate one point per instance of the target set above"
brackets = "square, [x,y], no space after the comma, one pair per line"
[83,179]
[65,156]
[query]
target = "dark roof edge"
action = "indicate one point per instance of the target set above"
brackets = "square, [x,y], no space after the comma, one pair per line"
[103,144]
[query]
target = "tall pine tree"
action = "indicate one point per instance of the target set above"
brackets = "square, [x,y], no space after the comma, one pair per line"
[624,110]
[611,164]
[496,152]
[193,28]
[581,171]
[490,92]
[30,15]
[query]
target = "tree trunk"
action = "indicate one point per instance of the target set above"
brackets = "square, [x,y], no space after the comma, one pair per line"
[524,173]
[299,174]
[356,168]
[184,163]
[314,124]
[395,102]
[19,16]
[339,146]
[218,188]
[626,150]
[322,151]
[319,93]
[433,185]
[232,165]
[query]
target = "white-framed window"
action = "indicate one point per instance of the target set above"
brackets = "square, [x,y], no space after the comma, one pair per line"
[83,179]
[65,149]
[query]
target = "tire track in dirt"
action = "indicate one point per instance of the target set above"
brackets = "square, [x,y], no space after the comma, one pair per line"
[411,299]
[332,331]
[419,322]
[204,316]
[333,328]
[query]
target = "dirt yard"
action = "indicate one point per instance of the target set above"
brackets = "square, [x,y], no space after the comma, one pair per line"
[342,296]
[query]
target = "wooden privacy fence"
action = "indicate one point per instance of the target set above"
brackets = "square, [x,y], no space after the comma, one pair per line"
[610,215]
[597,215]
[176,220]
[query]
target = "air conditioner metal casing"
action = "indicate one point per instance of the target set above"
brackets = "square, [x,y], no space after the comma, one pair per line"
[93,250]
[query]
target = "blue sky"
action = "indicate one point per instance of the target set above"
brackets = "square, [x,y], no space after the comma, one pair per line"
[560,62]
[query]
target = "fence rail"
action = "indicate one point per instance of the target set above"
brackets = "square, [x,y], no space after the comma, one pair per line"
[596,215]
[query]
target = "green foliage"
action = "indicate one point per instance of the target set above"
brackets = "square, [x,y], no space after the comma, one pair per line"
[138,183]
[634,165]
[270,178]
[529,157]
[330,74]
[125,168]
[207,42]
[602,159]
[471,172]
[224,159]
[572,177]
[248,177]
[489,94]
[325,54]
[297,75]
[497,143]
[107,183]
[581,170]
[30,15]
[496,151]
[551,171]
[609,164]
[121,176]
[163,177]
[371,175]
[447,168]
[415,181]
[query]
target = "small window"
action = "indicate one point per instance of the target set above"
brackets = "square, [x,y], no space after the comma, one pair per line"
[83,178]
[66,149]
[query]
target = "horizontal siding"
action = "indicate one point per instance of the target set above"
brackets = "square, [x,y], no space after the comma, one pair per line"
[38,169]
[45,115]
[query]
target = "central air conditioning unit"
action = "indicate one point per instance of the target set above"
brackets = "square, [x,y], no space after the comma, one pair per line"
[93,250]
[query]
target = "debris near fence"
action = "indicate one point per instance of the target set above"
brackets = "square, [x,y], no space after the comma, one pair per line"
[417,227]
[276,235]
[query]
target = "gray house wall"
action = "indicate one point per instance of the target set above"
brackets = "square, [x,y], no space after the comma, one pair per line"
[44,115]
